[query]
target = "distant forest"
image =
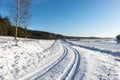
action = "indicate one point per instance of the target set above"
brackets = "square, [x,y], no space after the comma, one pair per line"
[118,37]
[6,29]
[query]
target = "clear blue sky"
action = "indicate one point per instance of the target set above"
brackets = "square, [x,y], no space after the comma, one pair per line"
[76,17]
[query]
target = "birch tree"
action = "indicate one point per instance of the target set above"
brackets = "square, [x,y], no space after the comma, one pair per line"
[20,13]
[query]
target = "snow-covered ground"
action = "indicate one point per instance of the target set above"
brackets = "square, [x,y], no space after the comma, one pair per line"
[17,61]
[109,46]
[99,66]
[101,58]
[59,60]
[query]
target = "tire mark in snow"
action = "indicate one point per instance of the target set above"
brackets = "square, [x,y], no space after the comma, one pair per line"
[66,74]
[102,71]
[37,74]
[59,69]
[82,69]
[78,72]
[53,65]
[77,66]
[74,68]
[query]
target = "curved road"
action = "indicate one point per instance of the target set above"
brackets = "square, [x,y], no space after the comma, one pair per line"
[66,67]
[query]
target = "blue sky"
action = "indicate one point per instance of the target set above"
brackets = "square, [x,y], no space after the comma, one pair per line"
[76,17]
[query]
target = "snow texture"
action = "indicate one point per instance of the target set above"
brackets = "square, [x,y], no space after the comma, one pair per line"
[32,59]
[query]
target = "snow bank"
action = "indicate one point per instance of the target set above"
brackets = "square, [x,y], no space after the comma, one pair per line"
[30,54]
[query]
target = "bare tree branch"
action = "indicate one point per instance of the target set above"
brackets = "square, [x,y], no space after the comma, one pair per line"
[20,13]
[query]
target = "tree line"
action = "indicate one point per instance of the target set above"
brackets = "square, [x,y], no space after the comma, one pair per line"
[118,37]
[7,29]
[20,15]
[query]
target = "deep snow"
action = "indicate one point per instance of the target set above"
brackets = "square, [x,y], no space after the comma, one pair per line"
[18,61]
[99,66]
[55,60]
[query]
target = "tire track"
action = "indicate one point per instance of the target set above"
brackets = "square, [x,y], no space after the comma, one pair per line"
[54,64]
[62,66]
[74,68]
[42,72]
[65,68]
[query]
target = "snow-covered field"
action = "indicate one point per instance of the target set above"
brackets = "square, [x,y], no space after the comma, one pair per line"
[59,60]
[101,58]
[109,46]
[17,61]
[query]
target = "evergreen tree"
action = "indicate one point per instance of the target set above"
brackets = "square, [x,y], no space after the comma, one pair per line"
[118,37]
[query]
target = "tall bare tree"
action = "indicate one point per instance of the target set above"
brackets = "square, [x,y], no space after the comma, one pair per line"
[20,13]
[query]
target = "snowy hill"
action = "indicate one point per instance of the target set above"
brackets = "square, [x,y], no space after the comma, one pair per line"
[16,61]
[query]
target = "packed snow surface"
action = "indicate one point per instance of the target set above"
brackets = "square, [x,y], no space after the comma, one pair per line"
[36,59]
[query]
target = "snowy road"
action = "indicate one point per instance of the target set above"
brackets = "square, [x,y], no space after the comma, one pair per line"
[72,71]
[64,68]
[75,64]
